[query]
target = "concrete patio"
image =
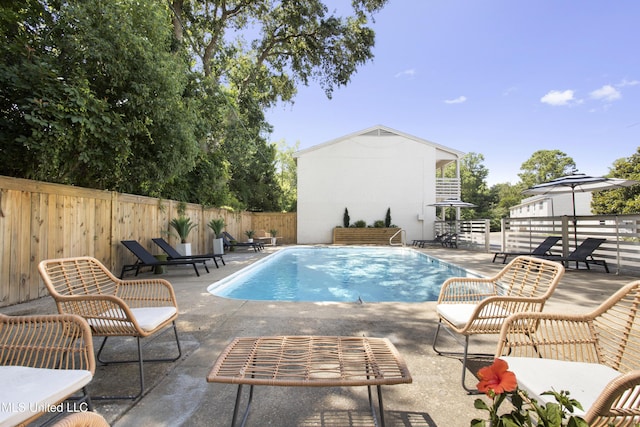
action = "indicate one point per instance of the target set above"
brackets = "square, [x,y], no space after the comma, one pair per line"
[178,394]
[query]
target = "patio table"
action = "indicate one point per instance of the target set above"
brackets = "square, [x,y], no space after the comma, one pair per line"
[310,361]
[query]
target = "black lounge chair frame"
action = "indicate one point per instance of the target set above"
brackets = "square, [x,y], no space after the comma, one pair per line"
[543,248]
[583,253]
[146,259]
[173,254]
[230,242]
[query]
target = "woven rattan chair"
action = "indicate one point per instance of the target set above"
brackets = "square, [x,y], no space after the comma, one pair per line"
[82,419]
[594,356]
[44,360]
[470,306]
[111,306]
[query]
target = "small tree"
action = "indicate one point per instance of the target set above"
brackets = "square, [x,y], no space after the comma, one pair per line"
[346,219]
[387,218]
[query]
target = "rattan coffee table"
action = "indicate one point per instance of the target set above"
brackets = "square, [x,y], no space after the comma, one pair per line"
[310,361]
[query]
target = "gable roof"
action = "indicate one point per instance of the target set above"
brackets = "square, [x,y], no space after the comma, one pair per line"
[379,130]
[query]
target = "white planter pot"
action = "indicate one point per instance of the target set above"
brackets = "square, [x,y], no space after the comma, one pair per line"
[250,240]
[184,249]
[218,246]
[273,241]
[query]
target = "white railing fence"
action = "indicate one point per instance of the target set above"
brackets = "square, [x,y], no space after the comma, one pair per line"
[621,249]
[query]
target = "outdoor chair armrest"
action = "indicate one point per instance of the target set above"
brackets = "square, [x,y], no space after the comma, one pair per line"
[620,398]
[471,290]
[147,293]
[550,336]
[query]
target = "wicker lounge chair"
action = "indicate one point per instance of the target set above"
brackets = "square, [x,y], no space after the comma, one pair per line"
[543,249]
[173,254]
[231,242]
[471,306]
[583,253]
[111,306]
[44,360]
[146,259]
[595,356]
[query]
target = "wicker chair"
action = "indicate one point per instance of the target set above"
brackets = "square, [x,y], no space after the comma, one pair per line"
[82,419]
[594,356]
[472,306]
[44,360]
[111,306]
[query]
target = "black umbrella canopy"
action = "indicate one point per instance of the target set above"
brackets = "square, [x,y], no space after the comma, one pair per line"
[452,203]
[578,182]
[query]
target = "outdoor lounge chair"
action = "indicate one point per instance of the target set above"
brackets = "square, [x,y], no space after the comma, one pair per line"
[44,360]
[471,306]
[595,356]
[173,254]
[583,253]
[435,241]
[230,242]
[543,248]
[146,259]
[112,307]
[450,240]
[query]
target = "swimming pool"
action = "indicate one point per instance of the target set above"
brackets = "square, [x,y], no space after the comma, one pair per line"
[340,274]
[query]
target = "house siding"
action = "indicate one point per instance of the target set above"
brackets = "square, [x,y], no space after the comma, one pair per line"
[367,174]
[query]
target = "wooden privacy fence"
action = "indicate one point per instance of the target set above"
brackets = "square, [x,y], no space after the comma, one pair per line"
[41,220]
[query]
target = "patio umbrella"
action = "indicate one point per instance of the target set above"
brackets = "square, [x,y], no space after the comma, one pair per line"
[578,183]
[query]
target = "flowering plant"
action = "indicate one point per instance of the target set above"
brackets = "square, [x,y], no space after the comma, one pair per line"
[498,383]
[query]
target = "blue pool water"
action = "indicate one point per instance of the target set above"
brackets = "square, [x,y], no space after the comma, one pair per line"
[344,274]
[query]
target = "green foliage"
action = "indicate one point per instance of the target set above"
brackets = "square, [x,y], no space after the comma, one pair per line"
[620,200]
[183,226]
[545,165]
[217,224]
[345,218]
[360,224]
[250,234]
[379,224]
[387,218]
[273,232]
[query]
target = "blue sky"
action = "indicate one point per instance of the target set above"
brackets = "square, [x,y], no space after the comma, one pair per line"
[503,78]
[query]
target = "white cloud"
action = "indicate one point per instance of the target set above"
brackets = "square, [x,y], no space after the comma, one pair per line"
[458,100]
[626,82]
[556,97]
[606,93]
[406,73]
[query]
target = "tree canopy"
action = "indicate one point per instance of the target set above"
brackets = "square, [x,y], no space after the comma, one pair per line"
[166,98]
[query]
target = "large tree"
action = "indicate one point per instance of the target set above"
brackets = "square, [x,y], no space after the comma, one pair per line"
[620,200]
[545,165]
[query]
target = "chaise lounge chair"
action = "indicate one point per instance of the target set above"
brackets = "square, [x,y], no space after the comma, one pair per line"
[436,241]
[230,242]
[173,254]
[543,248]
[146,259]
[583,253]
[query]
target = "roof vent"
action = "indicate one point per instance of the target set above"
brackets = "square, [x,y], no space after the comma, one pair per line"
[379,132]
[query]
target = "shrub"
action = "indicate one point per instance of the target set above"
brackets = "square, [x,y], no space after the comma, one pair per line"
[379,224]
[360,224]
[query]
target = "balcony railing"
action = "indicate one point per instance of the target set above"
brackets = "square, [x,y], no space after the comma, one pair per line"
[447,188]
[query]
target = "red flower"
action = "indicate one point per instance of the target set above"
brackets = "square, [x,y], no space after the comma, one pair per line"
[496,378]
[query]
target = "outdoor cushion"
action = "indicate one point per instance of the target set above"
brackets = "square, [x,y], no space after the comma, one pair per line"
[459,314]
[26,391]
[584,381]
[148,318]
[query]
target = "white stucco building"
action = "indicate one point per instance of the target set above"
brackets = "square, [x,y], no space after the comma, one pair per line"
[368,172]
[552,205]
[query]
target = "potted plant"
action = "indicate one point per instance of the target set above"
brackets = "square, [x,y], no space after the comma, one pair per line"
[217,224]
[250,234]
[183,226]
[273,233]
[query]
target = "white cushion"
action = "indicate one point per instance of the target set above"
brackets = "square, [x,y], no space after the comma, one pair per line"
[459,314]
[584,381]
[148,318]
[26,391]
